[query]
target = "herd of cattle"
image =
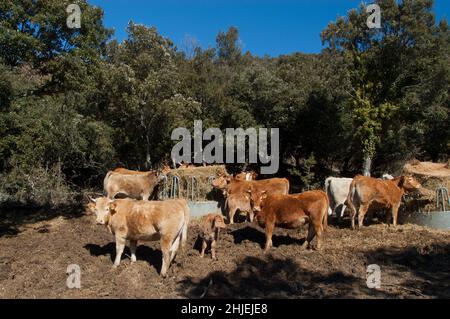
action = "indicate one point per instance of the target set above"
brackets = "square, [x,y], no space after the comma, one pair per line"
[137,218]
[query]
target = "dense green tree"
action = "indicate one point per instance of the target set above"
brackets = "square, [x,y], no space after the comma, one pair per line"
[76,102]
[386,68]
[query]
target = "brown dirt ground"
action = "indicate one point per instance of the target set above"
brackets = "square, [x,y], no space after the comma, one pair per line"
[415,262]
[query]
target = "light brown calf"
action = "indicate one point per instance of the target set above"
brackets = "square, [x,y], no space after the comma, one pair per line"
[210,229]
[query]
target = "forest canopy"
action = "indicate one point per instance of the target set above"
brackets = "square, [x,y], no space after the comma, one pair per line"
[77,102]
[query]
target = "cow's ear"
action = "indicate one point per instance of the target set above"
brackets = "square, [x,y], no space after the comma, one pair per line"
[402,181]
[112,208]
[90,208]
[219,222]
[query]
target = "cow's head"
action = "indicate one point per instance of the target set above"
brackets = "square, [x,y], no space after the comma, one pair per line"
[221,182]
[409,183]
[218,222]
[102,209]
[256,199]
[165,169]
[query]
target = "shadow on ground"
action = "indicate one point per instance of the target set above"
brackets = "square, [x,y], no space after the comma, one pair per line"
[12,219]
[271,277]
[152,256]
[258,236]
[430,265]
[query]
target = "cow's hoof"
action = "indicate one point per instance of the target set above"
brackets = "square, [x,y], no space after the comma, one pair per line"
[114,266]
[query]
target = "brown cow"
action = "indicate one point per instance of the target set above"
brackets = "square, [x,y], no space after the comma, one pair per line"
[246,176]
[135,220]
[140,185]
[237,189]
[366,191]
[238,202]
[210,229]
[291,211]
[231,185]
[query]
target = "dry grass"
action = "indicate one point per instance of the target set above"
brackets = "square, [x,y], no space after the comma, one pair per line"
[203,176]
[431,176]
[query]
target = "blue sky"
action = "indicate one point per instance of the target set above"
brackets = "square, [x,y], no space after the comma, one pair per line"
[266,26]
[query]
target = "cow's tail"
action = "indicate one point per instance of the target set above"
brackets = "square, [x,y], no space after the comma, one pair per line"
[325,214]
[350,197]
[185,227]
[179,238]
[105,182]
[327,191]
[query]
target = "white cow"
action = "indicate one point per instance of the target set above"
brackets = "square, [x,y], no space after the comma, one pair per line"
[337,190]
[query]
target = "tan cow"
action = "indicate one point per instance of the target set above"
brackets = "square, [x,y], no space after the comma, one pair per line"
[291,211]
[134,220]
[210,229]
[236,192]
[122,170]
[367,191]
[140,185]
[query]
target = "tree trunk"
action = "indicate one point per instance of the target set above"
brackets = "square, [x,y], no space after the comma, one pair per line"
[367,165]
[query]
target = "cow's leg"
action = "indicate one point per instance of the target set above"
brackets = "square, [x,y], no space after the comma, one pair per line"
[389,212]
[231,213]
[204,246]
[251,216]
[353,215]
[362,212]
[213,249]
[319,231]
[395,214]
[174,249]
[311,234]
[133,245]
[343,210]
[120,245]
[165,249]
[269,231]
[145,196]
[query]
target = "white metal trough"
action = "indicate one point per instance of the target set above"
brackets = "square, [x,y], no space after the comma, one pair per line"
[438,220]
